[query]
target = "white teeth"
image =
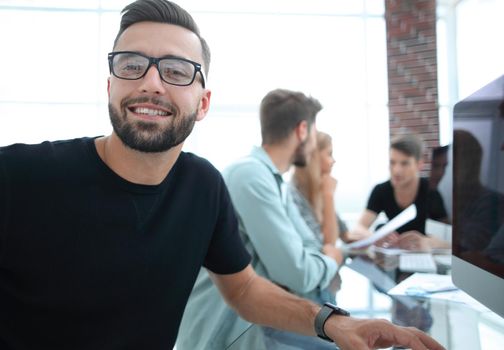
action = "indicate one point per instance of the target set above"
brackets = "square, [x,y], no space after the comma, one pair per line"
[149,111]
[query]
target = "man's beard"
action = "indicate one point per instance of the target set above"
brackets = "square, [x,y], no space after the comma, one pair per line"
[150,137]
[300,157]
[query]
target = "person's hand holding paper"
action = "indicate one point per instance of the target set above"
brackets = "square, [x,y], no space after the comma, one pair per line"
[390,227]
[389,241]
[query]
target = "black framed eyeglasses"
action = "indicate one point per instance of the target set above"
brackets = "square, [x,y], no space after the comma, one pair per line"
[130,65]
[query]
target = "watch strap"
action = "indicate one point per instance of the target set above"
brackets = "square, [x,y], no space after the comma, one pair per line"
[325,312]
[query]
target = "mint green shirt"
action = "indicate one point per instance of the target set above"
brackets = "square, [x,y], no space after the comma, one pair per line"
[283,249]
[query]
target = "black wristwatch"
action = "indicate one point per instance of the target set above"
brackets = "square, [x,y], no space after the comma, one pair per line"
[325,312]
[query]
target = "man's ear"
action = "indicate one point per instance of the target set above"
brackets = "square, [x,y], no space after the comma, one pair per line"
[204,105]
[302,131]
[108,87]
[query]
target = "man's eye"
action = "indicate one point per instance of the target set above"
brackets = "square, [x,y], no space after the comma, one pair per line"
[173,72]
[132,68]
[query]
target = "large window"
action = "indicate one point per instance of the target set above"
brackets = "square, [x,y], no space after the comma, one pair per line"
[53,83]
[470,53]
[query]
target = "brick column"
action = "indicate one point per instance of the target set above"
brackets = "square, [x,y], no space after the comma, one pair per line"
[412,70]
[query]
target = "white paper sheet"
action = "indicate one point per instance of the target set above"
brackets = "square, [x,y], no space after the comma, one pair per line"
[404,217]
[434,286]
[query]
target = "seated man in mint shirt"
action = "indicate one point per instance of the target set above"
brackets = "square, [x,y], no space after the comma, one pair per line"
[282,246]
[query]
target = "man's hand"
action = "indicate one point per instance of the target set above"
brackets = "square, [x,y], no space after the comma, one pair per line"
[362,334]
[333,252]
[389,241]
[358,233]
[414,240]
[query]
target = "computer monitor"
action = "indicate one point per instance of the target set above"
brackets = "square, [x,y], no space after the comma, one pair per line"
[478,195]
[440,178]
[440,194]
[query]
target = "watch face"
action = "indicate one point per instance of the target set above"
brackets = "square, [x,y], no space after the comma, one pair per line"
[337,310]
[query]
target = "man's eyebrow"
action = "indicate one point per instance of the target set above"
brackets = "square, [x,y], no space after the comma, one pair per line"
[175,57]
[158,57]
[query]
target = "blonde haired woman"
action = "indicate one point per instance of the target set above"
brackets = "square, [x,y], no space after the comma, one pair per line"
[313,188]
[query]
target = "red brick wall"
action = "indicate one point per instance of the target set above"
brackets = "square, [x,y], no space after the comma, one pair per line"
[412,70]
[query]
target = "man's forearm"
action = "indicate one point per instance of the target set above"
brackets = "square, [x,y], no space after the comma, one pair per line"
[260,301]
[267,304]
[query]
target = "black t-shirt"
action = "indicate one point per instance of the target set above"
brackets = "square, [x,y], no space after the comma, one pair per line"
[429,204]
[89,260]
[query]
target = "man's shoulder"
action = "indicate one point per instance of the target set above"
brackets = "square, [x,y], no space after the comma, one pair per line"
[197,171]
[49,162]
[194,161]
[244,168]
[19,153]
[383,186]
[381,194]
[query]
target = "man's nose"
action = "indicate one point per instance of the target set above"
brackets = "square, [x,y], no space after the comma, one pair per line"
[151,82]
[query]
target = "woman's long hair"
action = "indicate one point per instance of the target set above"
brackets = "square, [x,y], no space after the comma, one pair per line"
[307,178]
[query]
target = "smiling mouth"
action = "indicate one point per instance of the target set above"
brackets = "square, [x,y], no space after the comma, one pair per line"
[152,112]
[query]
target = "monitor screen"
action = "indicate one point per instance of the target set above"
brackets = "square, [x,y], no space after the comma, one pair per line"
[478,195]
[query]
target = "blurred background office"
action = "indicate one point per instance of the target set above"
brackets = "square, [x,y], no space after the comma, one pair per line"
[379,67]
[54,70]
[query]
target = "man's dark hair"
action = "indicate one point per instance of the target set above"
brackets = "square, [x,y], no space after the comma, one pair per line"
[440,151]
[281,112]
[411,145]
[162,11]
